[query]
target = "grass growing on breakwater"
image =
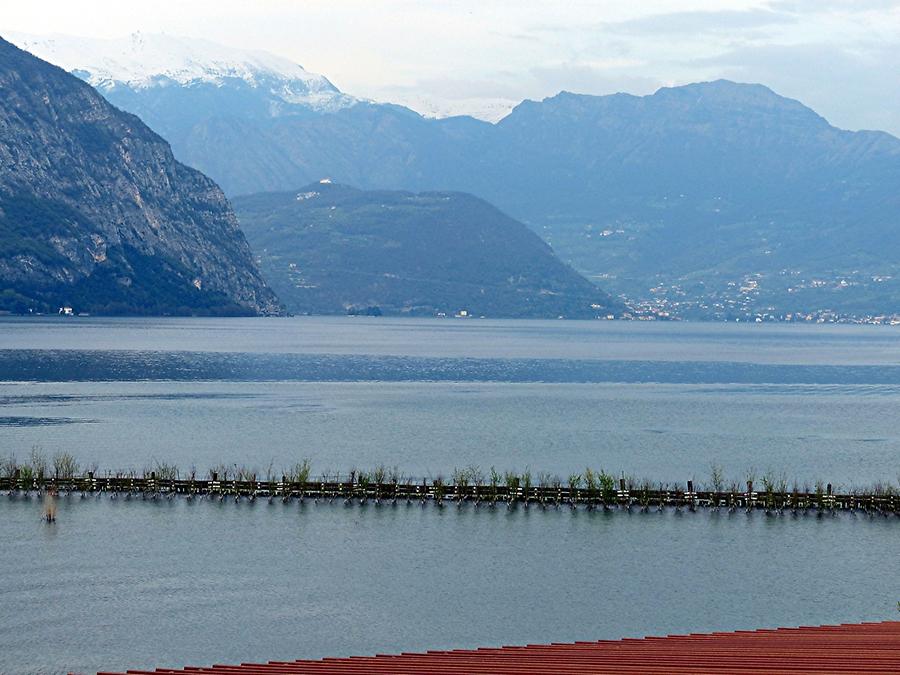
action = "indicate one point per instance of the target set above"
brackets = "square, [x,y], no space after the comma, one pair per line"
[589,488]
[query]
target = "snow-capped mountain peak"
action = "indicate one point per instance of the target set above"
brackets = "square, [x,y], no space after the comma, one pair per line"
[143,60]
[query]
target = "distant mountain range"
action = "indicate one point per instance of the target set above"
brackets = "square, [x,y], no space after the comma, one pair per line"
[724,199]
[98,216]
[330,249]
[711,200]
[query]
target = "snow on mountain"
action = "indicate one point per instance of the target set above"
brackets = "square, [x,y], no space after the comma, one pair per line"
[486,109]
[144,60]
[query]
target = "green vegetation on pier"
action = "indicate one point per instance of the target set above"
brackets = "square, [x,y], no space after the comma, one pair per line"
[590,488]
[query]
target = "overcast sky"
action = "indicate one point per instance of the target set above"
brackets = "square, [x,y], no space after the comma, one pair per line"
[841,58]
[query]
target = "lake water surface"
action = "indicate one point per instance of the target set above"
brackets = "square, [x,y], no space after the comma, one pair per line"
[140,584]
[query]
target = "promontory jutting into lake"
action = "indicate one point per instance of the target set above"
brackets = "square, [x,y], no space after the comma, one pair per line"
[295,377]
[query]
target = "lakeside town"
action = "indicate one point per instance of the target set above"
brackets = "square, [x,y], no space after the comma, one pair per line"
[758,298]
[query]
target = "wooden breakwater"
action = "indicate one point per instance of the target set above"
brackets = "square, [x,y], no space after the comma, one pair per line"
[617,495]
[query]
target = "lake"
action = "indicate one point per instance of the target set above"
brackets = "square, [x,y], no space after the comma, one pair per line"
[141,584]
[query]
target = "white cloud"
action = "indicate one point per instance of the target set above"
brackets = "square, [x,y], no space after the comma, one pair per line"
[703,21]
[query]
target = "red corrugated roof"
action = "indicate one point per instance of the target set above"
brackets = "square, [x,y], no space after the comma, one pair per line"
[848,648]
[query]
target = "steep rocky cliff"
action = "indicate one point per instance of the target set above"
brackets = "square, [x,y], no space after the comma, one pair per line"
[96,214]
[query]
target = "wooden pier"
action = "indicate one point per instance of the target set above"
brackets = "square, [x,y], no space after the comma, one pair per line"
[623,495]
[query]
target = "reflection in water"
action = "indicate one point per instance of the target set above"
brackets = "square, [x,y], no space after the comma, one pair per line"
[143,584]
[49,512]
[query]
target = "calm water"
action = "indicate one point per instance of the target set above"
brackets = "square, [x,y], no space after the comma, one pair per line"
[654,400]
[140,584]
[116,584]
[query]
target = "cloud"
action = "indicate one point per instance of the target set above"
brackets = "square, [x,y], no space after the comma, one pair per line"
[582,78]
[843,6]
[681,23]
[496,85]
